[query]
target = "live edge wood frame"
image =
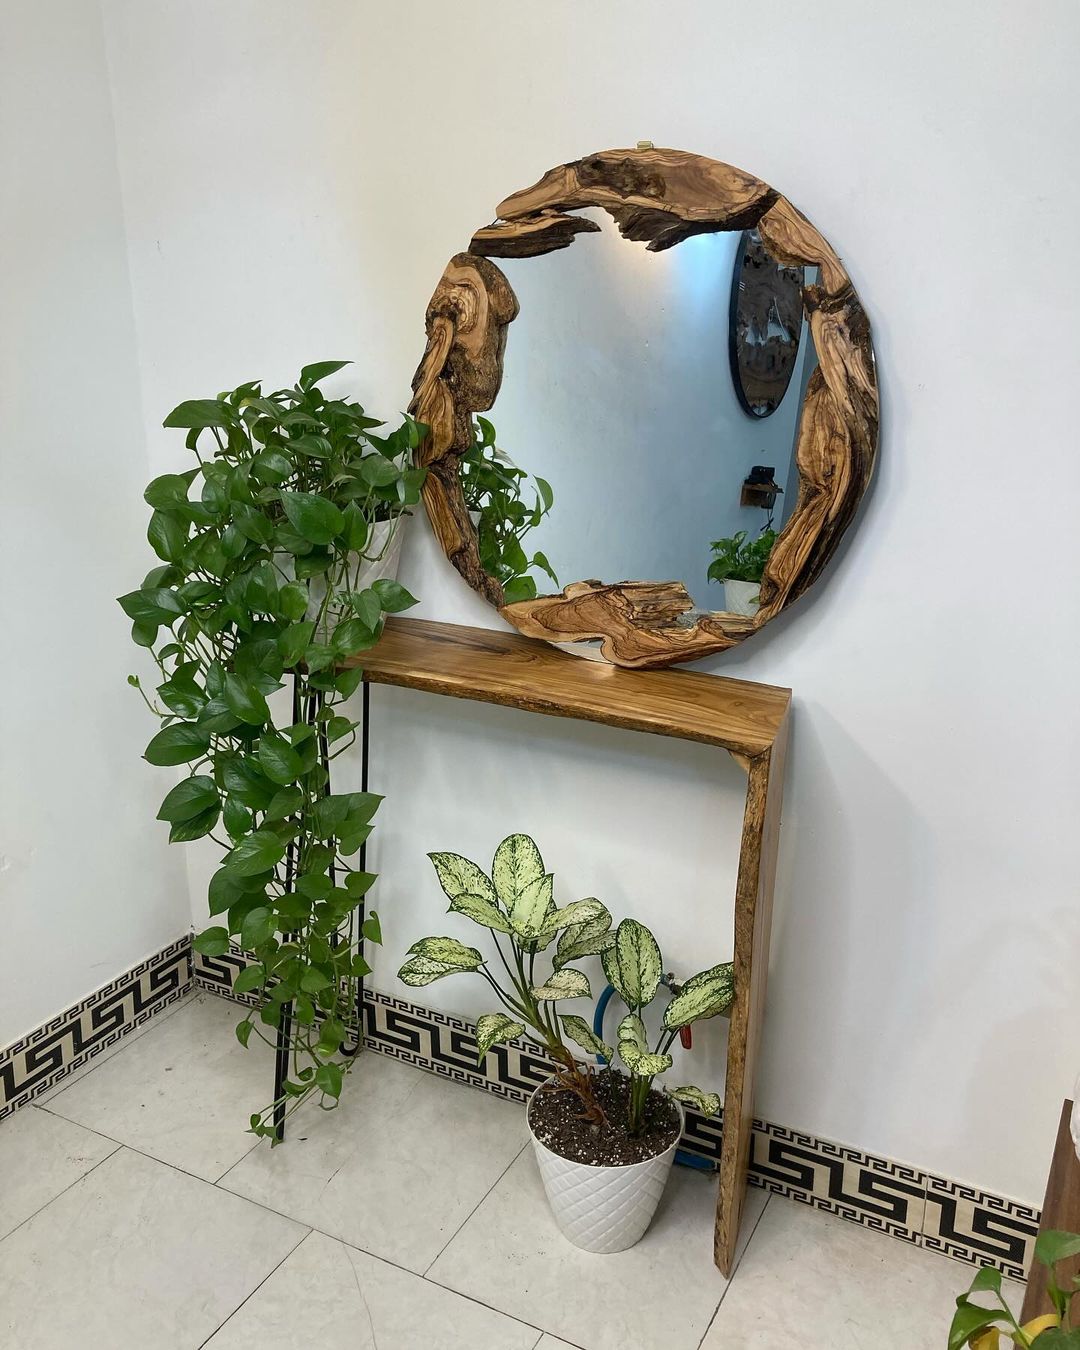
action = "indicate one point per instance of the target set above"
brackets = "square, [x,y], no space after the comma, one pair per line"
[749,721]
[658,197]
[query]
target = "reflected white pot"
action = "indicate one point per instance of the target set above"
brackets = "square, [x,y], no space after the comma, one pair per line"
[741,597]
[603,1209]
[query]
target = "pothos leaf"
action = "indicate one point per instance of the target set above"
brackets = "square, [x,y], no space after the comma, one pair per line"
[189,798]
[257,852]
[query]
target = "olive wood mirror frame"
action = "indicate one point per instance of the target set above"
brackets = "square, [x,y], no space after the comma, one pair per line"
[659,197]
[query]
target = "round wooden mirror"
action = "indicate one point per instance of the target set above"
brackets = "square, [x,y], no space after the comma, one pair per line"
[623,448]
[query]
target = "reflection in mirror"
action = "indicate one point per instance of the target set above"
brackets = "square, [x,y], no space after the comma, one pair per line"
[766,326]
[621,449]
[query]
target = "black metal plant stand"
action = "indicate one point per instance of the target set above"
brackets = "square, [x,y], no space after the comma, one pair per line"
[356,926]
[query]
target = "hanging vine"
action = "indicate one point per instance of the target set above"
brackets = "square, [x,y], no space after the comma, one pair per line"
[267,548]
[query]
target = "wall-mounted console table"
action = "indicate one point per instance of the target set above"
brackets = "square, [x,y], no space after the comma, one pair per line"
[747,720]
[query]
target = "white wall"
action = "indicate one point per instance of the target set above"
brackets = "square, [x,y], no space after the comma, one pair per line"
[295,182]
[87,887]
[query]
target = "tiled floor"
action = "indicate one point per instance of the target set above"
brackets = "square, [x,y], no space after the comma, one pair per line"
[135,1212]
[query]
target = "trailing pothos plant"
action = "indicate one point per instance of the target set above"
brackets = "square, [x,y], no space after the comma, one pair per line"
[516,904]
[263,546]
[494,490]
[633,966]
[992,1328]
[739,558]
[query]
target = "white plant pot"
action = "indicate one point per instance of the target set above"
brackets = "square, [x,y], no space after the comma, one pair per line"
[741,597]
[382,556]
[381,560]
[603,1209]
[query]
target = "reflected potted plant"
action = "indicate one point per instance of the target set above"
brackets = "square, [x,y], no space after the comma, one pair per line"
[494,490]
[740,564]
[604,1139]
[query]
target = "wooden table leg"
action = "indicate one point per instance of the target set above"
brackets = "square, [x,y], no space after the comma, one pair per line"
[753,922]
[1061,1209]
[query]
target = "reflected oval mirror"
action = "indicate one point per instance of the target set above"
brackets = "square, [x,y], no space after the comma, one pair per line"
[597,465]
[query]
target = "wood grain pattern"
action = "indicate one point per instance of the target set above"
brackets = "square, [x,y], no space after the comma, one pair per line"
[494,667]
[529,236]
[460,374]
[656,196]
[659,197]
[749,721]
[1061,1210]
[753,926]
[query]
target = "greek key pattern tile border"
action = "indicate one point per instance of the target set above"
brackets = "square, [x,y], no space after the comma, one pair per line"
[876,1193]
[31,1066]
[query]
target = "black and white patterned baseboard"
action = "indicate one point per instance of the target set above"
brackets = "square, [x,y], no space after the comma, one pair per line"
[877,1193]
[889,1197]
[31,1066]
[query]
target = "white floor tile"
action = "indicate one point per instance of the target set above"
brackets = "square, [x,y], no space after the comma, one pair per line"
[337,1298]
[550,1343]
[658,1295]
[821,1283]
[183,1092]
[135,1255]
[396,1169]
[103,1056]
[40,1156]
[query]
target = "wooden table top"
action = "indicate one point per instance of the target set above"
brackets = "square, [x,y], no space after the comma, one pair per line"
[505,668]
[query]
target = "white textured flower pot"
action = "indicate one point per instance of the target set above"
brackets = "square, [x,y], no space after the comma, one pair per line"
[741,597]
[603,1209]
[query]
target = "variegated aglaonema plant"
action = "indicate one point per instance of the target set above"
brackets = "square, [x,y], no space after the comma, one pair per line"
[516,904]
[633,966]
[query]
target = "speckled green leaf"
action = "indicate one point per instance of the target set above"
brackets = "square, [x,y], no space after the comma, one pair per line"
[529,911]
[708,1103]
[458,876]
[577,912]
[495,1029]
[708,994]
[421,970]
[582,1034]
[610,962]
[639,963]
[563,984]
[585,939]
[449,951]
[517,865]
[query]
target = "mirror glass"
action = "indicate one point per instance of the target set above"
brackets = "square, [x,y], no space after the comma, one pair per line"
[620,424]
